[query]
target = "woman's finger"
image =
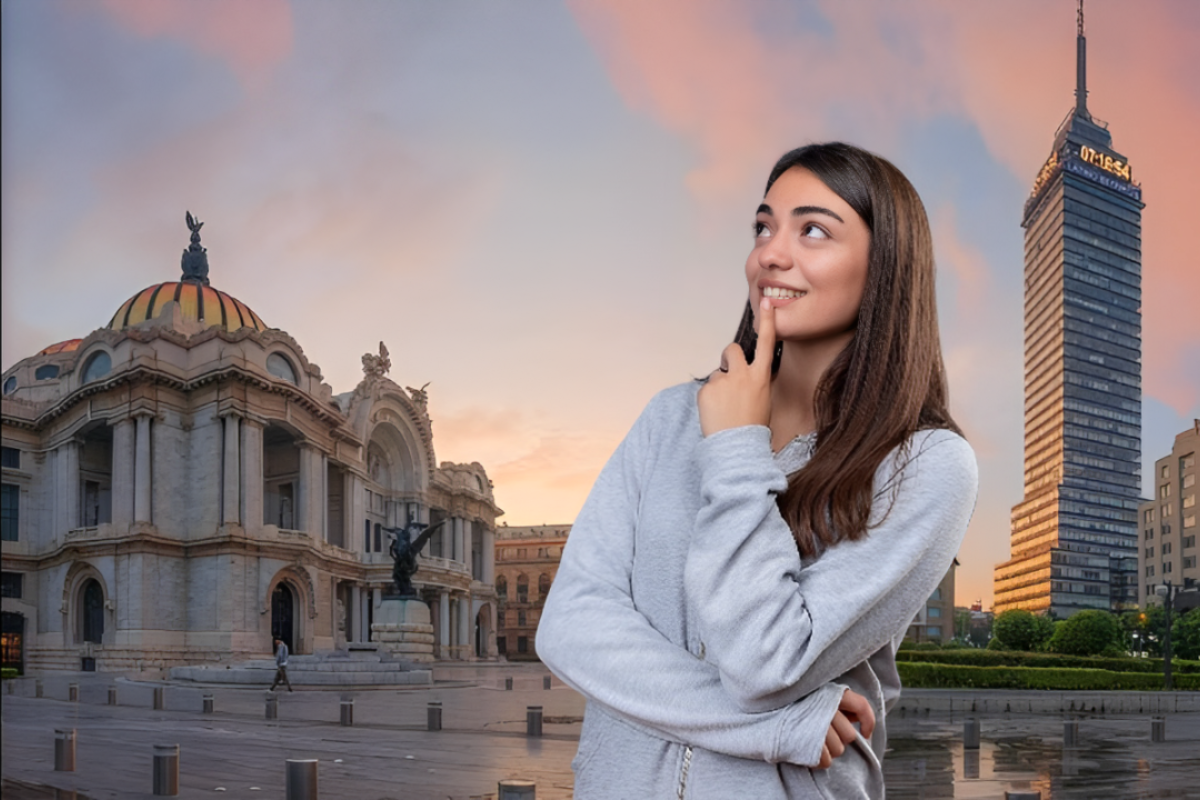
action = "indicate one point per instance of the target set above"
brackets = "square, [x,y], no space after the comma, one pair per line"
[826,759]
[859,709]
[833,741]
[764,350]
[843,729]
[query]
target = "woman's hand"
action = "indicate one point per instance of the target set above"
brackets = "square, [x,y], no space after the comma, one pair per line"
[853,708]
[738,393]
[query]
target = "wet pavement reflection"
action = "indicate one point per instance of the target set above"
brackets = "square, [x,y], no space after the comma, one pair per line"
[1115,758]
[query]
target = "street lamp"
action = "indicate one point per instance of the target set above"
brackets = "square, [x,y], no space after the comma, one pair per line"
[1167,592]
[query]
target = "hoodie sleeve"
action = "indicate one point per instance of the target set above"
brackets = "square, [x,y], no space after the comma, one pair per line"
[594,638]
[777,630]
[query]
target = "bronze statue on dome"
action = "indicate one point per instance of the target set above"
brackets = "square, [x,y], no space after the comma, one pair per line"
[195,258]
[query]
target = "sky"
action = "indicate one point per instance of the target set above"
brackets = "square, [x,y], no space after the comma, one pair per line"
[544,209]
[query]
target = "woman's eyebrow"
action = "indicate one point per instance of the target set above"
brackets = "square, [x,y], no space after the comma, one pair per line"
[800,211]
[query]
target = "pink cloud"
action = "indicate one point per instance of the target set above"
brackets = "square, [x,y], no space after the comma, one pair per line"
[251,36]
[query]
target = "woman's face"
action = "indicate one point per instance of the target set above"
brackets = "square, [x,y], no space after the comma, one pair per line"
[809,258]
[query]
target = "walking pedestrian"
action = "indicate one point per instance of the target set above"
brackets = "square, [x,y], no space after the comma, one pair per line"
[281,662]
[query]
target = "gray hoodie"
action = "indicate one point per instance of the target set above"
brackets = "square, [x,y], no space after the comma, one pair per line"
[711,656]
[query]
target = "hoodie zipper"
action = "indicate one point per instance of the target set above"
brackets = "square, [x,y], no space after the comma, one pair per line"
[683,773]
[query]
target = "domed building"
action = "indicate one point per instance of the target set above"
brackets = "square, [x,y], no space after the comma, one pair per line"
[180,486]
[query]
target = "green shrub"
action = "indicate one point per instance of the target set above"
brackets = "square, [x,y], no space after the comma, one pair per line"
[8,672]
[945,676]
[1088,633]
[1018,629]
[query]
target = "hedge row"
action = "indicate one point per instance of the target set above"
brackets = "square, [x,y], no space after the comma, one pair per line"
[946,676]
[1010,658]
[8,672]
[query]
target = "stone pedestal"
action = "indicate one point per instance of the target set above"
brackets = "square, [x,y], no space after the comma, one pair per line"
[402,627]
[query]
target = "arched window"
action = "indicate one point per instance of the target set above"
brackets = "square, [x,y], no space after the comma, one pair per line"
[92,608]
[280,367]
[502,587]
[45,372]
[98,366]
[543,585]
[10,384]
[522,589]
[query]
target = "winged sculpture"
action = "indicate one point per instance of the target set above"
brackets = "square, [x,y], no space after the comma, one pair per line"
[406,543]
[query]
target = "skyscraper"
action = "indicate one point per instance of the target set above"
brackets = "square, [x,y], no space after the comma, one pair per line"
[1074,536]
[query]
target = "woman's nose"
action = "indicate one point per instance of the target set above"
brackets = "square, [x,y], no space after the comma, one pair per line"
[775,254]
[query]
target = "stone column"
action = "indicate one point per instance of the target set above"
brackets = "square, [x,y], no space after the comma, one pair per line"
[122,474]
[142,470]
[67,488]
[231,478]
[307,490]
[444,624]
[460,553]
[464,628]
[489,556]
[356,500]
[252,474]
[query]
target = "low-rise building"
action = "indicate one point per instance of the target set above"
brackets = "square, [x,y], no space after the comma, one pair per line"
[1168,520]
[527,559]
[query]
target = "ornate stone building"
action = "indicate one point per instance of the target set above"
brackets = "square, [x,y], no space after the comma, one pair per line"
[180,485]
[527,559]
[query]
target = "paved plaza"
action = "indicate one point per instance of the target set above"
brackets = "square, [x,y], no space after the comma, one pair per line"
[236,752]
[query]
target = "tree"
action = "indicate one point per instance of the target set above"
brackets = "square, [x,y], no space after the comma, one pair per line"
[1185,635]
[1089,633]
[1018,629]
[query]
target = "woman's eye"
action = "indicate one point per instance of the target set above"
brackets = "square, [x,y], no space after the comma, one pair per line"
[814,231]
[761,231]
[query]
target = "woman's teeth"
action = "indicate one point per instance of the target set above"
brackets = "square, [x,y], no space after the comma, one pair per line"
[776,293]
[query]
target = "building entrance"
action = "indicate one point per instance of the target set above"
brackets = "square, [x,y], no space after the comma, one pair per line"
[282,615]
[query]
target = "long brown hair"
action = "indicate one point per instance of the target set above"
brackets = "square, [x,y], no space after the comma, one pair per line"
[889,381]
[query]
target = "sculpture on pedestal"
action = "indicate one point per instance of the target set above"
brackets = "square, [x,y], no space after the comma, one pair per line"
[195,258]
[406,543]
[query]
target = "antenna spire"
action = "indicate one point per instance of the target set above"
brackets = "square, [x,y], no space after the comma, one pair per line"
[1081,66]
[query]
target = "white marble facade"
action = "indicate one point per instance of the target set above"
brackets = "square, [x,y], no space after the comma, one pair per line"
[181,484]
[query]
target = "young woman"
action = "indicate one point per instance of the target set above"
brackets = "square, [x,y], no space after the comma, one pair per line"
[733,592]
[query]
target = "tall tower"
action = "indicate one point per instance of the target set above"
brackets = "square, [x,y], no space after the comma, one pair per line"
[1074,536]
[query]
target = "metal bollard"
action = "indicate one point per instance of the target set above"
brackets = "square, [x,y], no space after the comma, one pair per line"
[516,790]
[64,750]
[533,720]
[208,703]
[971,734]
[546,682]
[1071,733]
[301,779]
[1022,794]
[433,716]
[166,770]
[272,707]
[1158,729]
[112,695]
[971,764]
[37,688]
[73,692]
[158,698]
[508,683]
[347,713]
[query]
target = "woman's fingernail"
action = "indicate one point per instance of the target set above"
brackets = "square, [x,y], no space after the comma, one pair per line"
[764,304]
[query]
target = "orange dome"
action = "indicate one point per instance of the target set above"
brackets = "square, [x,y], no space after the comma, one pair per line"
[61,347]
[197,302]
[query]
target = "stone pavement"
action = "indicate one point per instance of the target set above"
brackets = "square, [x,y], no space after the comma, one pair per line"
[389,754]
